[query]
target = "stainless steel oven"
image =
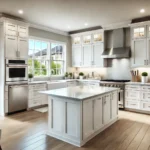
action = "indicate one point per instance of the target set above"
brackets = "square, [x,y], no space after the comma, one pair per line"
[16,70]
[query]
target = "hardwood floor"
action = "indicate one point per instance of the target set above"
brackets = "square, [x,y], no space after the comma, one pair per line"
[27,131]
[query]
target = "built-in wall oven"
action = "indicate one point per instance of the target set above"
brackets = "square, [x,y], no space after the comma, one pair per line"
[16,70]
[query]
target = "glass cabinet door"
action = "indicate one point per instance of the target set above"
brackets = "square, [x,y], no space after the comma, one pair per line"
[139,32]
[76,40]
[87,39]
[97,37]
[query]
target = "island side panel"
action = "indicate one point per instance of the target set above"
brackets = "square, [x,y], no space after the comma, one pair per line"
[64,120]
[99,113]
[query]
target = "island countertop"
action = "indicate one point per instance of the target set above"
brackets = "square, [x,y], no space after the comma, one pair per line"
[79,92]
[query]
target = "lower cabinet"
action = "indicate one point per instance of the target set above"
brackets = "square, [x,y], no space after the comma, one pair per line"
[137,97]
[35,98]
[98,112]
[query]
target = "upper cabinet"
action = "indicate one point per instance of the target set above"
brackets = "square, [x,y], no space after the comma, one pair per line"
[140,48]
[139,32]
[87,39]
[87,48]
[76,40]
[16,39]
[98,37]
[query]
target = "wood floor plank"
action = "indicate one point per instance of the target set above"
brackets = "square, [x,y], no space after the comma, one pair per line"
[145,144]
[138,138]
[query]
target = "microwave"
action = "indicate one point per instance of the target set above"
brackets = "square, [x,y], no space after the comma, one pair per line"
[16,70]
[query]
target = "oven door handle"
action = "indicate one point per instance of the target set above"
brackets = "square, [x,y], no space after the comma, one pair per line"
[16,66]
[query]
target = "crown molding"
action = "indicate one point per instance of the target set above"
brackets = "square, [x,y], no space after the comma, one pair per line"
[41,27]
[116,25]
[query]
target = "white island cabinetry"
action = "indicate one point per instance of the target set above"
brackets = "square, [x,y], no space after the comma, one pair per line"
[77,114]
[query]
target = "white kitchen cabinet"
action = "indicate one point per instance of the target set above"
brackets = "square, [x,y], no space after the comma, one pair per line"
[106,108]
[87,55]
[88,127]
[97,50]
[98,113]
[23,47]
[76,56]
[35,98]
[114,105]
[138,32]
[76,40]
[132,104]
[132,94]
[145,106]
[11,29]
[87,39]
[22,31]
[98,37]
[139,53]
[11,49]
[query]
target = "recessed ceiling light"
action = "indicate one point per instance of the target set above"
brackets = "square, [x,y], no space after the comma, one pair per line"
[20,11]
[86,24]
[142,10]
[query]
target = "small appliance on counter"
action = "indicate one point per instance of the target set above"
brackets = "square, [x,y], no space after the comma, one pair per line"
[17,81]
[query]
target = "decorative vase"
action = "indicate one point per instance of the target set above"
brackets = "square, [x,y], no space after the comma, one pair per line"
[144,79]
[81,77]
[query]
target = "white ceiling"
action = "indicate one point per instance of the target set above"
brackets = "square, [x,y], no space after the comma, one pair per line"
[58,14]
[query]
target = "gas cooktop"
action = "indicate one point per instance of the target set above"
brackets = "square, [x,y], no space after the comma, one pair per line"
[112,80]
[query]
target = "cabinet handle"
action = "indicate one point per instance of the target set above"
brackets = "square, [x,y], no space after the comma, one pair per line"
[11,25]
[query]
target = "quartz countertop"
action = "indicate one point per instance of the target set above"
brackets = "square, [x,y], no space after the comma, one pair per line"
[137,83]
[79,92]
[60,81]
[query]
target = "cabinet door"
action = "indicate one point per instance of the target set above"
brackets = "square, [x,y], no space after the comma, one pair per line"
[97,51]
[23,31]
[114,105]
[23,47]
[106,109]
[132,94]
[139,52]
[87,55]
[76,56]
[11,29]
[148,50]
[139,32]
[87,118]
[11,47]
[98,113]
[145,96]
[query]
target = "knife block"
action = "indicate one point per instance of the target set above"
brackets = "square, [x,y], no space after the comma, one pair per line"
[135,78]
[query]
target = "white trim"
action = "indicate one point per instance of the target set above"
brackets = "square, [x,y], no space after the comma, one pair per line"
[37,26]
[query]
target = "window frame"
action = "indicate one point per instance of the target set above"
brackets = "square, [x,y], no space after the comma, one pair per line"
[49,49]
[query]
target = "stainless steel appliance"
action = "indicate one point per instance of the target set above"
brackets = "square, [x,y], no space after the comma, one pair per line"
[16,70]
[119,84]
[17,98]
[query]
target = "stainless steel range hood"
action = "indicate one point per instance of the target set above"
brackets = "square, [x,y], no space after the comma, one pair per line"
[118,50]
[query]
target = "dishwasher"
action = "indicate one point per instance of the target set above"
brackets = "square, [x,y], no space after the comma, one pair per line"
[17,98]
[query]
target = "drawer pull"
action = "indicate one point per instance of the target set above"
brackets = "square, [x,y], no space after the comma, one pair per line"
[133,104]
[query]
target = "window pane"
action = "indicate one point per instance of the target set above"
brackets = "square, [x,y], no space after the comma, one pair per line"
[37,72]
[30,66]
[37,45]
[31,44]
[31,53]
[37,64]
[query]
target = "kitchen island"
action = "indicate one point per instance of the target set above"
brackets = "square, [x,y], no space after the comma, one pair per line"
[77,114]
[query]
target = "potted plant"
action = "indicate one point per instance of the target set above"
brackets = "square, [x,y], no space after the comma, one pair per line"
[70,75]
[66,75]
[144,77]
[30,76]
[81,75]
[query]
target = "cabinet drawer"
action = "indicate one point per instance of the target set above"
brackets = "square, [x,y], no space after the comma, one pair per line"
[132,94]
[145,96]
[132,104]
[11,29]
[145,106]
[145,88]
[132,87]
[34,102]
